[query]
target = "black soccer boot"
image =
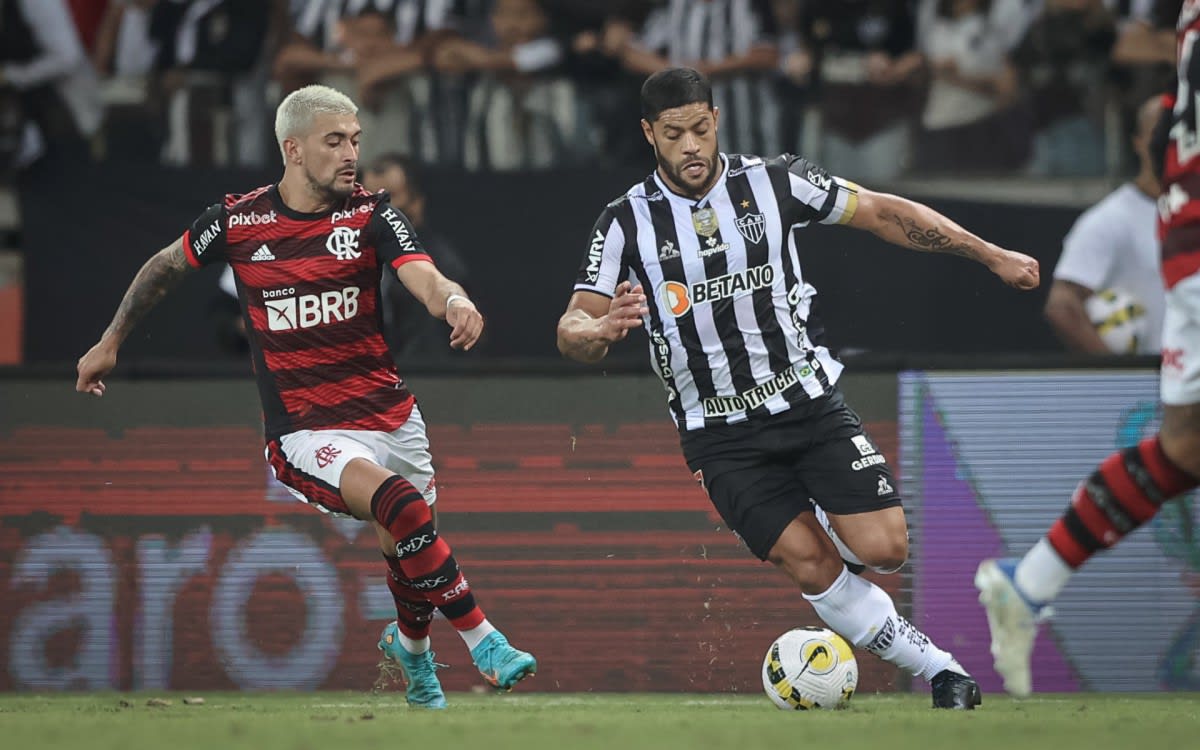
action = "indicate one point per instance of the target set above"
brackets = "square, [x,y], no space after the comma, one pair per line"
[954,690]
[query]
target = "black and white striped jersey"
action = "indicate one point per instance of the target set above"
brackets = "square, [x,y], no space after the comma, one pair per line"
[317,20]
[687,32]
[729,309]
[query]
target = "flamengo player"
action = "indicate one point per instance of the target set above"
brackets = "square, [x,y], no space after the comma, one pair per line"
[343,432]
[1131,485]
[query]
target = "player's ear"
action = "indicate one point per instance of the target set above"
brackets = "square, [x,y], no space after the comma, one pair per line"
[648,131]
[291,149]
[716,113]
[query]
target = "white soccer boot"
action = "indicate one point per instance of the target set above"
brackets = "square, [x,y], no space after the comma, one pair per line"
[1013,620]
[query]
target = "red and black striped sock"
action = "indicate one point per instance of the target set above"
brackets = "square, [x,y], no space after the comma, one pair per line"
[1125,492]
[414,613]
[423,557]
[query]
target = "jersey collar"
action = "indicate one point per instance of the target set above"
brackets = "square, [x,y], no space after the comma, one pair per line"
[284,209]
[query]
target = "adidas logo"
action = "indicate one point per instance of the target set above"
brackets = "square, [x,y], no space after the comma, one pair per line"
[262,253]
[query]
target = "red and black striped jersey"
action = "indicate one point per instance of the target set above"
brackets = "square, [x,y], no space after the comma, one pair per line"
[309,291]
[1179,204]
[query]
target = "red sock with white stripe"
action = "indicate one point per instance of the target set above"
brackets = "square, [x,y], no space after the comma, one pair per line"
[425,560]
[1125,491]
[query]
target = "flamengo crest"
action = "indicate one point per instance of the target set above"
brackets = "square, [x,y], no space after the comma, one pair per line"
[343,242]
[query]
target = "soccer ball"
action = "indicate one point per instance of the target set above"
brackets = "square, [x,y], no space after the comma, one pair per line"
[1119,318]
[810,668]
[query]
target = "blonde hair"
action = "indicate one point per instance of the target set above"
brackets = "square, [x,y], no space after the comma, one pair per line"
[296,112]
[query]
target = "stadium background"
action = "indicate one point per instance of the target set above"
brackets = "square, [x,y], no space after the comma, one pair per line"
[144,545]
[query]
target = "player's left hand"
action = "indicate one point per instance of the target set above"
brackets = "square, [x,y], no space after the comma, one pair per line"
[466,323]
[1017,269]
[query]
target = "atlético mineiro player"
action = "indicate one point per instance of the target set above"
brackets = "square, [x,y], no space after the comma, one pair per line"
[705,255]
[342,430]
[1130,486]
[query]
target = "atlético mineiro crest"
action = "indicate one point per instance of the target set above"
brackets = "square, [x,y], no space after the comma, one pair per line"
[752,227]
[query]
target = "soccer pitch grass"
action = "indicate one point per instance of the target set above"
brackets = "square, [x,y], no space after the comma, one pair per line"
[532,721]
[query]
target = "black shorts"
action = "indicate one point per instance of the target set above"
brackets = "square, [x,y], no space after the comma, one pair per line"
[762,473]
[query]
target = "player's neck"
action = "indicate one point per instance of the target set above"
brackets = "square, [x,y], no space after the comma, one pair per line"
[297,194]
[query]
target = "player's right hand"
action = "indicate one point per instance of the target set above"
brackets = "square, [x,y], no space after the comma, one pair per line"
[624,312]
[98,362]
[1018,270]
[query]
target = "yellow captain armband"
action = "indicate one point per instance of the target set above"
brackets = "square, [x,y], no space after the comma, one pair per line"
[848,204]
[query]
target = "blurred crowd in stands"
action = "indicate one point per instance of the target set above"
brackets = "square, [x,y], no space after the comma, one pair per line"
[875,89]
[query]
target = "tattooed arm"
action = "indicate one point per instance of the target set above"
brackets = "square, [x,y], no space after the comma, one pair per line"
[593,322]
[164,269]
[918,227]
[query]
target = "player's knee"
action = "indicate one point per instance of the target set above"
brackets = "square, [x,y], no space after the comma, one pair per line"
[887,555]
[1180,438]
[1183,455]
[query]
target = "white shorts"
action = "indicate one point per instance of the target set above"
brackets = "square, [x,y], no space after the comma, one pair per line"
[310,462]
[1181,344]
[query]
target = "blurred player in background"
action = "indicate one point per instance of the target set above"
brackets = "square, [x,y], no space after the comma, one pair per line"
[1113,247]
[412,335]
[342,430]
[1130,486]
[705,255]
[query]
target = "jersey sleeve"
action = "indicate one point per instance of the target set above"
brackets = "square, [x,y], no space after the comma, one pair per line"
[204,241]
[394,238]
[1090,250]
[818,195]
[604,264]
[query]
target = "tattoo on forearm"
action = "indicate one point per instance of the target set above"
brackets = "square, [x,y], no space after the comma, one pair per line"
[151,284]
[931,240]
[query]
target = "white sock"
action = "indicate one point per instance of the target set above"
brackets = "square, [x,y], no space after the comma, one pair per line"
[476,634]
[1041,573]
[419,646]
[864,614]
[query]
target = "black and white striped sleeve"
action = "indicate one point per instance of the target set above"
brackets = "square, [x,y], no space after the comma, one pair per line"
[820,196]
[603,266]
